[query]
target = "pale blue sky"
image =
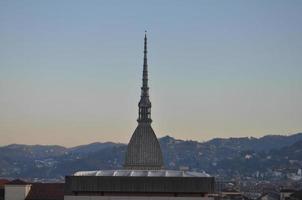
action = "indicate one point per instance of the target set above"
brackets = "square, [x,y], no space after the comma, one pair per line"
[70,71]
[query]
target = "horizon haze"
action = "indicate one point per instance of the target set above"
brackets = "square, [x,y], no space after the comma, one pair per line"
[184,140]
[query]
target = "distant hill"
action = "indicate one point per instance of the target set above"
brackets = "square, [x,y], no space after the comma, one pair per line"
[223,157]
[91,148]
[34,151]
[265,143]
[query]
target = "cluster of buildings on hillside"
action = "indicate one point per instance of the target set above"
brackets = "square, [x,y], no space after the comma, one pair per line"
[254,189]
[284,173]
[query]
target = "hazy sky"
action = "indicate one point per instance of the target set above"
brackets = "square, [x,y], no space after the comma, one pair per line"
[70,71]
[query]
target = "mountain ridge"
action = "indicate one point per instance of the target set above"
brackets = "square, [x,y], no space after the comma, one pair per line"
[299,134]
[219,156]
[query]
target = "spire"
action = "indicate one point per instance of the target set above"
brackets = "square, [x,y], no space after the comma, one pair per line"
[144,105]
[145,70]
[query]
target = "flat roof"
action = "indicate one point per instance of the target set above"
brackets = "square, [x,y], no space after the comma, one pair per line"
[142,173]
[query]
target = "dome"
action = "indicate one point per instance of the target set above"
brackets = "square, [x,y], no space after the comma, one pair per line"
[143,150]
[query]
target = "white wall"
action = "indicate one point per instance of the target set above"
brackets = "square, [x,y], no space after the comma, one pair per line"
[16,192]
[133,198]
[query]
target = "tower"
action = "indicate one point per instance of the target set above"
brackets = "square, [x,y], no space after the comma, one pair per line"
[143,152]
[143,176]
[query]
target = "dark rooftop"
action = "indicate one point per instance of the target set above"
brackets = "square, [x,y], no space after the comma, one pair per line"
[288,190]
[297,195]
[3,182]
[46,191]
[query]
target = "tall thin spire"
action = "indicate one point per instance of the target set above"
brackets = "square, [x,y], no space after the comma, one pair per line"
[145,70]
[144,105]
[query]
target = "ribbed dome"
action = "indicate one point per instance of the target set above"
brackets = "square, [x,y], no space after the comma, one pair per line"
[144,151]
